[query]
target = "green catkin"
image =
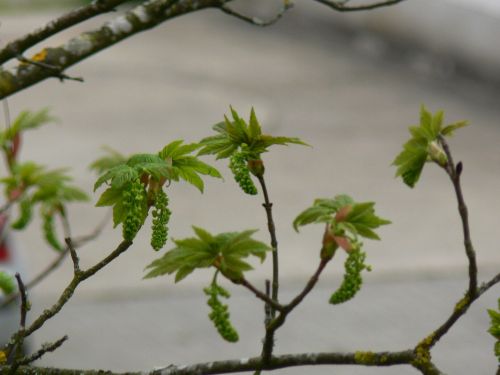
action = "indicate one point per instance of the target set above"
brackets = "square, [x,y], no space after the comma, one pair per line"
[239,167]
[352,282]
[134,198]
[25,214]
[161,216]
[220,314]
[49,231]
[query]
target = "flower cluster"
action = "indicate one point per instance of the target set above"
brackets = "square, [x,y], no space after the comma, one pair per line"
[161,216]
[220,314]
[134,199]
[239,167]
[352,282]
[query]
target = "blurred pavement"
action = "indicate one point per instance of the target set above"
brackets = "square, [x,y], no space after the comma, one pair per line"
[307,79]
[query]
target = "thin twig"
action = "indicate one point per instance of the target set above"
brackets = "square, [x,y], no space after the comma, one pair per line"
[460,309]
[46,348]
[70,289]
[269,302]
[277,322]
[24,301]
[77,242]
[56,70]
[455,171]
[256,20]
[74,256]
[342,7]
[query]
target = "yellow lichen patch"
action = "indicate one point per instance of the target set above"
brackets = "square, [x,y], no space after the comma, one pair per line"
[365,358]
[3,357]
[462,303]
[40,56]
[422,352]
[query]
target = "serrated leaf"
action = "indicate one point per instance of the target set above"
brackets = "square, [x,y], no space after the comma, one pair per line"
[119,213]
[109,197]
[449,130]
[112,159]
[254,126]
[322,210]
[236,134]
[224,251]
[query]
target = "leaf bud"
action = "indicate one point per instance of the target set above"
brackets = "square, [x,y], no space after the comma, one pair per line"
[256,167]
[437,154]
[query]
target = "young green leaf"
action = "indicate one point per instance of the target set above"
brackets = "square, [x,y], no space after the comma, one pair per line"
[112,159]
[424,145]
[224,251]
[185,166]
[232,135]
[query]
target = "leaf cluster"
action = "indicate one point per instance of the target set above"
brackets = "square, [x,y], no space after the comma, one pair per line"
[239,135]
[119,173]
[225,251]
[424,145]
[343,215]
[185,166]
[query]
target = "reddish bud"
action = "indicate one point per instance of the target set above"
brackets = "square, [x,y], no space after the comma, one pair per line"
[256,167]
[344,243]
[342,213]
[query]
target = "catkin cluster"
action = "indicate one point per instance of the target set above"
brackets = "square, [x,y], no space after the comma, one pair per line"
[49,231]
[352,282]
[161,216]
[220,314]
[134,198]
[239,167]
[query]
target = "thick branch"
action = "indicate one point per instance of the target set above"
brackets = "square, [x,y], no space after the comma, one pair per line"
[341,6]
[250,364]
[18,46]
[141,18]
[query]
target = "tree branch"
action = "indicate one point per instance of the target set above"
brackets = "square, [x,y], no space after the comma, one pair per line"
[17,47]
[378,359]
[140,18]
[341,6]
[70,289]
[258,21]
[77,242]
[455,171]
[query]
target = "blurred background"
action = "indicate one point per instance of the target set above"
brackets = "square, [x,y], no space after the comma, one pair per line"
[349,85]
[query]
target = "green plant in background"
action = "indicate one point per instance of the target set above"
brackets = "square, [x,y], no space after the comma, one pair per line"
[30,184]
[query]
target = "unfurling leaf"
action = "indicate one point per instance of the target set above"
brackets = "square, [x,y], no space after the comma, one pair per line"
[424,145]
